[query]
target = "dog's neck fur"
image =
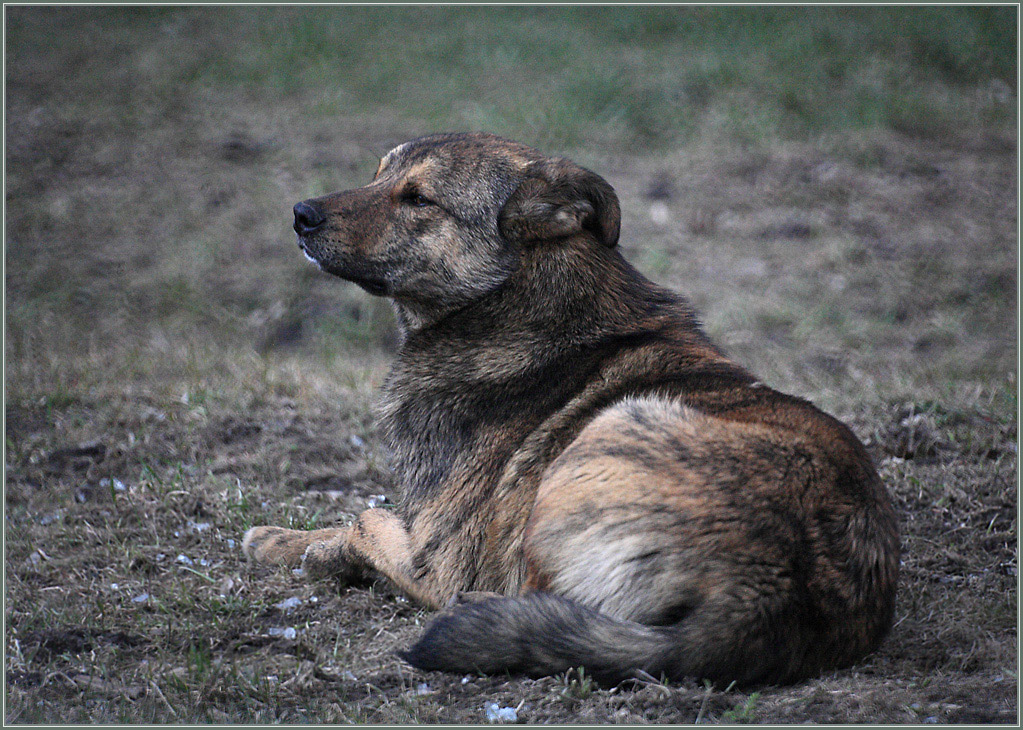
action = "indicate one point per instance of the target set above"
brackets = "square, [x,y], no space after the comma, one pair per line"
[595,301]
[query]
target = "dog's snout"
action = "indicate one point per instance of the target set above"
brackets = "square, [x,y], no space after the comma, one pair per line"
[308,218]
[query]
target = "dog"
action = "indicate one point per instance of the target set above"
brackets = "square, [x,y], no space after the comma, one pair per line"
[585,478]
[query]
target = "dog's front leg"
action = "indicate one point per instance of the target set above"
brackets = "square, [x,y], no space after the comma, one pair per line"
[288,548]
[378,540]
[284,547]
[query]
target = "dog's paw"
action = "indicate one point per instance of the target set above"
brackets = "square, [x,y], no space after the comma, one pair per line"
[323,559]
[275,546]
[315,560]
[332,558]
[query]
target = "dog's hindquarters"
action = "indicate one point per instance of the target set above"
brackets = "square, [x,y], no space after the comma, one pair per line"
[681,544]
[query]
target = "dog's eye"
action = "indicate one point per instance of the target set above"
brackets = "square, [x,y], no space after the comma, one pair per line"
[417,200]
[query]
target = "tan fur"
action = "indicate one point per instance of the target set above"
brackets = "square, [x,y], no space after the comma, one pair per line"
[565,436]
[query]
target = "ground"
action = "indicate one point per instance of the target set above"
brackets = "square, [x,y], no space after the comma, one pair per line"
[176,373]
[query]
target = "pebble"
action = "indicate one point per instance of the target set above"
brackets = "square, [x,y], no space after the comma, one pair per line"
[496,713]
[116,483]
[286,632]
[140,599]
[289,603]
[660,214]
[185,560]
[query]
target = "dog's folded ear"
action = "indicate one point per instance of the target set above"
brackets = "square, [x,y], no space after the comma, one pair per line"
[558,199]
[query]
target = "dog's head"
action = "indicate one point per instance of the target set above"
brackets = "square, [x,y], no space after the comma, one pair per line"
[446,218]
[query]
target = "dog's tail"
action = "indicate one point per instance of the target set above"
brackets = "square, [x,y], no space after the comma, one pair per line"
[536,634]
[541,634]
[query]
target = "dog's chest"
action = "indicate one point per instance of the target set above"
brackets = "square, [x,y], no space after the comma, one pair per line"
[426,433]
[448,432]
[439,438]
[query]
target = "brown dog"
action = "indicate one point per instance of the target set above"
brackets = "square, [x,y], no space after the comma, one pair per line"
[564,435]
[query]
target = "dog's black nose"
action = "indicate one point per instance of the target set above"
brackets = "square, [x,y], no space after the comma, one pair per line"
[308,218]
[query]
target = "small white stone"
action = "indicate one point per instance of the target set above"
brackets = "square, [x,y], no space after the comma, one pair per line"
[659,213]
[496,713]
[289,603]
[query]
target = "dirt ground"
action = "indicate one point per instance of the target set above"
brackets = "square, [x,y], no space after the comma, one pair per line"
[176,373]
[128,597]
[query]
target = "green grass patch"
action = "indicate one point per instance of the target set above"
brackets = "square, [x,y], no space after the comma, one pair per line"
[563,76]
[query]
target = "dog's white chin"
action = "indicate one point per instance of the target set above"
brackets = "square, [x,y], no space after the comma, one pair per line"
[306,253]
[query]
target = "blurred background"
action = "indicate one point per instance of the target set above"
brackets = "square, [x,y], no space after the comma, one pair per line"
[836,183]
[834,188]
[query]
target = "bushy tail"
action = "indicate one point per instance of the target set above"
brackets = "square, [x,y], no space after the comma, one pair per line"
[540,634]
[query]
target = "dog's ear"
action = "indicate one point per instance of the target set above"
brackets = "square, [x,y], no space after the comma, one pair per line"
[558,199]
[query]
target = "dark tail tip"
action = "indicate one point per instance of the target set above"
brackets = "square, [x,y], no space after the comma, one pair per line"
[471,637]
[417,658]
[438,641]
[408,656]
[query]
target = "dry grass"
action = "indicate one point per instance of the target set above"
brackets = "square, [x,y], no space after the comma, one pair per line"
[107,492]
[175,372]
